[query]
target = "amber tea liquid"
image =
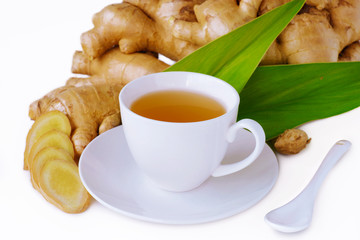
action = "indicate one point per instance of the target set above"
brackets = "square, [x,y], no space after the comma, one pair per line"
[177,106]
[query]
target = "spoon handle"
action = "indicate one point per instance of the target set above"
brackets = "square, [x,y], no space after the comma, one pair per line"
[331,158]
[296,215]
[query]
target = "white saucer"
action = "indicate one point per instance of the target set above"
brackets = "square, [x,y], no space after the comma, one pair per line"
[111,176]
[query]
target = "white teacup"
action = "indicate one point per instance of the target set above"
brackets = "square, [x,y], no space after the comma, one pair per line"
[181,156]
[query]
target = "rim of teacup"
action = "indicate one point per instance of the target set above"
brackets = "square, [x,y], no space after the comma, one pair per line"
[160,76]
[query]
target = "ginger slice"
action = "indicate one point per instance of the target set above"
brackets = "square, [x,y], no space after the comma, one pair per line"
[46,122]
[40,159]
[60,184]
[53,138]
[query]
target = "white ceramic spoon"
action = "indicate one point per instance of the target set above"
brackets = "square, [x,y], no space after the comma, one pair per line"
[296,215]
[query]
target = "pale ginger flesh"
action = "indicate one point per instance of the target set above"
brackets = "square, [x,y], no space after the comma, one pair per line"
[52,138]
[53,171]
[60,184]
[54,120]
[41,157]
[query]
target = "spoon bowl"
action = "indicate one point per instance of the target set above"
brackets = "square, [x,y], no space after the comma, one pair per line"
[288,219]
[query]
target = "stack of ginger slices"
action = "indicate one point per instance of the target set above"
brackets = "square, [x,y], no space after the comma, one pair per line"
[49,155]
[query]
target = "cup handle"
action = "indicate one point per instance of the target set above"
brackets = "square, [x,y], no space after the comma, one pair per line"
[258,132]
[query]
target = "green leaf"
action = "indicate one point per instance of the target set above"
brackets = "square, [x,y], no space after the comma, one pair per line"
[235,56]
[285,96]
[278,97]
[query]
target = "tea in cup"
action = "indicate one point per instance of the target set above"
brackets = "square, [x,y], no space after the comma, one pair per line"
[178,126]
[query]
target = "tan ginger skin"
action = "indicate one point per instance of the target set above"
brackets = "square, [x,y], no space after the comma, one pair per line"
[351,53]
[91,109]
[129,27]
[321,30]
[291,141]
[113,51]
[114,65]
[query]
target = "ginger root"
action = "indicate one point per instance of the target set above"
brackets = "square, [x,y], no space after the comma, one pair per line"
[214,19]
[129,27]
[114,67]
[351,53]
[88,108]
[302,43]
[319,33]
[291,141]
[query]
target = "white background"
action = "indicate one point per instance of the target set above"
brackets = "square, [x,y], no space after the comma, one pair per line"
[37,40]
